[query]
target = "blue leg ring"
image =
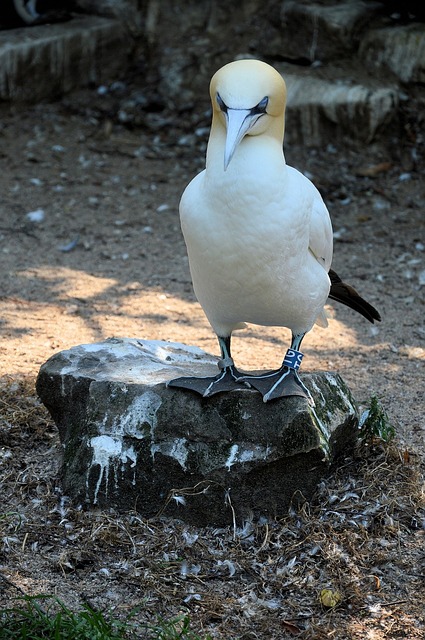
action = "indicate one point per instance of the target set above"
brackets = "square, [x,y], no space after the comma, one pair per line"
[292,359]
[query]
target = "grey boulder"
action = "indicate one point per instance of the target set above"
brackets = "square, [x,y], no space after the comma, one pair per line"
[129,442]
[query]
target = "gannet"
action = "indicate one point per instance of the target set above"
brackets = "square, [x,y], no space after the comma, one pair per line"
[258,234]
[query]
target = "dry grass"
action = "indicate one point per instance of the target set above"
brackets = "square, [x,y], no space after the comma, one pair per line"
[362,538]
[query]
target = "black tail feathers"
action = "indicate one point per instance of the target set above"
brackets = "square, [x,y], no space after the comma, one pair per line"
[346,294]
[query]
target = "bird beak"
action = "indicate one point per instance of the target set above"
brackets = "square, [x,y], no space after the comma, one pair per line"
[239,122]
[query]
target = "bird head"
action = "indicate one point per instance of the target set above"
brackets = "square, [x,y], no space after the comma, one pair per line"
[248,99]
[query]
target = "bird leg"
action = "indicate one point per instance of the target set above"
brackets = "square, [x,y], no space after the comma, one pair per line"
[227,380]
[285,381]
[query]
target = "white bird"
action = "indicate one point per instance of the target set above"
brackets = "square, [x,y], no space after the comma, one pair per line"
[258,234]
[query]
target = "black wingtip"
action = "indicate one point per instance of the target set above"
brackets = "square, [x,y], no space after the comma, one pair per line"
[346,294]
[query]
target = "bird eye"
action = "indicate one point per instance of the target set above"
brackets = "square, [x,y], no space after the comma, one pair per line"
[221,103]
[261,106]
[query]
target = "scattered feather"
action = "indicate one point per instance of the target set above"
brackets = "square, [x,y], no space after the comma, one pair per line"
[192,596]
[188,537]
[229,565]
[36,216]
[65,248]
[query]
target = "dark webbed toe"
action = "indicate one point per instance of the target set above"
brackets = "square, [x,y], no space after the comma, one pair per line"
[226,380]
[279,384]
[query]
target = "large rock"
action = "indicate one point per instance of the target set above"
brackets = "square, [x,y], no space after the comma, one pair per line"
[320,110]
[398,50]
[128,12]
[132,443]
[320,31]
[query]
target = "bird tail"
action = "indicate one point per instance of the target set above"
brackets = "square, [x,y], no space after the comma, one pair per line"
[346,294]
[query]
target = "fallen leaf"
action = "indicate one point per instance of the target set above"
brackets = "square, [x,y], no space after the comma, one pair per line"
[291,628]
[373,170]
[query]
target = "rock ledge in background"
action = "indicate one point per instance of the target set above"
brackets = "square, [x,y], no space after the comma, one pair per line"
[49,60]
[132,443]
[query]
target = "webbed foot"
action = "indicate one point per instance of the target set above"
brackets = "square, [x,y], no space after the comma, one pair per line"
[226,380]
[279,384]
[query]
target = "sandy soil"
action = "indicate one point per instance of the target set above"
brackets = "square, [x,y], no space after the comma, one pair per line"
[106,258]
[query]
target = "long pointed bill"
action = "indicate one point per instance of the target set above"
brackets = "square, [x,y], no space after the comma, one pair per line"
[239,122]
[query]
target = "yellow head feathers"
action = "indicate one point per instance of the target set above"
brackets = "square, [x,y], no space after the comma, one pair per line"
[243,85]
[248,99]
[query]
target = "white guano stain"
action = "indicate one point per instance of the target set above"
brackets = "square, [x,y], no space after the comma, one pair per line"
[176,449]
[140,412]
[108,452]
[232,456]
[246,453]
[318,390]
[343,395]
[256,453]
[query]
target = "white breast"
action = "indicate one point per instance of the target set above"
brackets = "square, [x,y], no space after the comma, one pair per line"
[248,245]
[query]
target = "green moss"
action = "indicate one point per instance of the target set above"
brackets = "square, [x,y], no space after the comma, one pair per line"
[332,397]
[375,424]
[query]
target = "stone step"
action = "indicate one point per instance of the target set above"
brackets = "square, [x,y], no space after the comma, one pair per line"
[319,32]
[313,31]
[327,32]
[359,65]
[321,110]
[47,61]
[399,50]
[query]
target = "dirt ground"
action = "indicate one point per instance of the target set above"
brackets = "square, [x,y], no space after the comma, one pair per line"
[103,256]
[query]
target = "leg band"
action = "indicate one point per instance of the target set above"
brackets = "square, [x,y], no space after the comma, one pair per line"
[292,359]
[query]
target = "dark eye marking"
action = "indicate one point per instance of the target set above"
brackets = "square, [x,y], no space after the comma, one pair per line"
[261,107]
[221,103]
[259,110]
